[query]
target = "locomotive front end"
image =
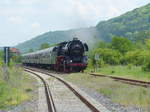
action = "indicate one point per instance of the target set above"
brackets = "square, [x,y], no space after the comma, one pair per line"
[77,58]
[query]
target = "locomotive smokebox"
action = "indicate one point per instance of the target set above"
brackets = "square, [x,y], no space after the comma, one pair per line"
[76,47]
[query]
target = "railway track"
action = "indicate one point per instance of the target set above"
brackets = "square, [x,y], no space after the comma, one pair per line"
[49,99]
[125,80]
[58,101]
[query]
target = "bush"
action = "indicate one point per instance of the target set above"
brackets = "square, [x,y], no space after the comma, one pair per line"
[146,67]
[11,64]
[137,57]
[101,63]
[90,63]
[121,44]
[1,63]
[109,56]
[129,66]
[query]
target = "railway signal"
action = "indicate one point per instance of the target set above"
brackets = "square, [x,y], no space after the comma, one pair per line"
[6,61]
[6,55]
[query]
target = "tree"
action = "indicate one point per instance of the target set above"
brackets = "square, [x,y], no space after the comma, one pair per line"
[137,57]
[44,46]
[101,44]
[146,67]
[121,44]
[140,36]
[30,50]
[148,43]
[109,56]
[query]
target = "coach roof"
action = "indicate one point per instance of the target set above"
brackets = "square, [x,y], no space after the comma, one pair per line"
[39,52]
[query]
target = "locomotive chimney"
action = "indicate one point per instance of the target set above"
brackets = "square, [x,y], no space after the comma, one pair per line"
[75,38]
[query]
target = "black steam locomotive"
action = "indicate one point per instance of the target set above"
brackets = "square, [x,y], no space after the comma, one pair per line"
[66,56]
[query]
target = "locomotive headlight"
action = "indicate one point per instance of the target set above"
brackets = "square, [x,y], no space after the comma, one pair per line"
[70,61]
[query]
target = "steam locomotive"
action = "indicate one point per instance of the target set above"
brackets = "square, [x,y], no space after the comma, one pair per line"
[67,56]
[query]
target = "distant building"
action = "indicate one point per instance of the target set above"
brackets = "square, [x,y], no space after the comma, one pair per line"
[15,51]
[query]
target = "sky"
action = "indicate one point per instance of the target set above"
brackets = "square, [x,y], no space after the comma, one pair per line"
[21,20]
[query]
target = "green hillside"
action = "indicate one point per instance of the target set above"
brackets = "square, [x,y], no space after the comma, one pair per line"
[134,25]
[59,36]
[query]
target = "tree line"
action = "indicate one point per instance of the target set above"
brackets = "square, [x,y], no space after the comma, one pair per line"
[121,51]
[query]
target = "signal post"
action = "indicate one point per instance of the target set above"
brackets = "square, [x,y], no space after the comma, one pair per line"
[6,62]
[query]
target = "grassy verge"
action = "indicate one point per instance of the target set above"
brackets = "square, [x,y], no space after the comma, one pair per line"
[124,94]
[124,71]
[16,89]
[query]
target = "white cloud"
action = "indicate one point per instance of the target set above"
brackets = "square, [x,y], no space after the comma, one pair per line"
[113,12]
[35,16]
[6,2]
[16,20]
[36,25]
[27,2]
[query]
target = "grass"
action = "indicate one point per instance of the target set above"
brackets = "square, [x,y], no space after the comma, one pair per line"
[124,71]
[16,89]
[127,95]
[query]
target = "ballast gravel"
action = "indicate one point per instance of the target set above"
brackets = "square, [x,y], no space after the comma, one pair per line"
[114,107]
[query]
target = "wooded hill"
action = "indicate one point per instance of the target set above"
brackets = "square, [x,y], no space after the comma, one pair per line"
[134,25]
